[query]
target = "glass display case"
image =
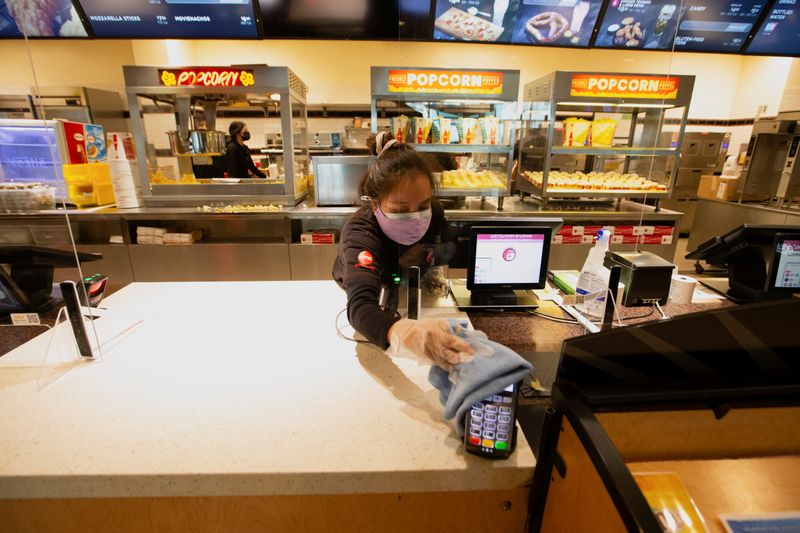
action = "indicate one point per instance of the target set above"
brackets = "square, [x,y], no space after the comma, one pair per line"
[601,135]
[464,120]
[195,95]
[32,151]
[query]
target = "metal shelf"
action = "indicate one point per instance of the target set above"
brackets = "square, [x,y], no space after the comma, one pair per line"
[463,148]
[614,150]
[530,188]
[443,192]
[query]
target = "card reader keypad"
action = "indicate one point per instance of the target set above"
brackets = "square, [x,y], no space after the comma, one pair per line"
[490,423]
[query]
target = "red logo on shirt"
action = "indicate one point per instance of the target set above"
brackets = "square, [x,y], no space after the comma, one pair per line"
[365,258]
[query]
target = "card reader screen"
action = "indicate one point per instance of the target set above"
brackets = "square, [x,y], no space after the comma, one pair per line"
[508,258]
[788,275]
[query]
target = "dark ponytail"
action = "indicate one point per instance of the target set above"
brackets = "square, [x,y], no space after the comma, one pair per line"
[394,162]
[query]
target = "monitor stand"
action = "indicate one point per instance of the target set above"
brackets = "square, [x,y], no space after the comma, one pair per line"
[466,299]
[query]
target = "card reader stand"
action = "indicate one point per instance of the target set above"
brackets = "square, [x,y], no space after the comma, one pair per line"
[494,298]
[477,300]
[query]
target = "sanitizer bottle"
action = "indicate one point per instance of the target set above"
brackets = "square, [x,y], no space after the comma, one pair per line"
[594,277]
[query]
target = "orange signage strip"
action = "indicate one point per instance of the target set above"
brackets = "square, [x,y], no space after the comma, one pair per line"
[611,86]
[445,81]
[206,77]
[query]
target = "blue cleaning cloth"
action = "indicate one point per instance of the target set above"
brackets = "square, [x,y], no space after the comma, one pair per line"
[481,377]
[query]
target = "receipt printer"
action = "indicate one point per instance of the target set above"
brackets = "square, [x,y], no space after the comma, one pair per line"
[646,276]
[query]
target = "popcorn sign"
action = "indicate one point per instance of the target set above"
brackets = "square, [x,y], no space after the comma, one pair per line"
[613,86]
[445,81]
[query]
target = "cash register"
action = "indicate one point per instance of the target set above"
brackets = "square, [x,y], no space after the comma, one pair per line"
[763,262]
[505,264]
[26,285]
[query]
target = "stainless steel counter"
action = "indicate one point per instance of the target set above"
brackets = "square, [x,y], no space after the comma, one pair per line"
[715,217]
[266,245]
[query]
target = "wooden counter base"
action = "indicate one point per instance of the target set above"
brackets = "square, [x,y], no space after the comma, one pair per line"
[501,511]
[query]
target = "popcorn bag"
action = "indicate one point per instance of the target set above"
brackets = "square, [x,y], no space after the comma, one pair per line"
[576,131]
[490,130]
[603,132]
[399,127]
[441,130]
[420,130]
[469,132]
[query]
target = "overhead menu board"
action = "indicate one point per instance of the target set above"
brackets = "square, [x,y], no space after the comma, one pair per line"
[475,20]
[330,19]
[717,25]
[647,24]
[233,19]
[556,22]
[779,34]
[40,18]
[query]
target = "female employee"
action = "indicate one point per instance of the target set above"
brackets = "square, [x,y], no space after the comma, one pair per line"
[387,234]
[238,163]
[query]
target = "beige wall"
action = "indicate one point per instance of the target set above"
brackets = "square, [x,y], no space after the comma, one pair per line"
[761,82]
[337,72]
[63,63]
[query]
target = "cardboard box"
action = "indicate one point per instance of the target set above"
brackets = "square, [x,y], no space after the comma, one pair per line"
[708,187]
[727,188]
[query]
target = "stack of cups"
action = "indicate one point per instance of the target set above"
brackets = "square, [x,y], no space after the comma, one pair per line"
[122,164]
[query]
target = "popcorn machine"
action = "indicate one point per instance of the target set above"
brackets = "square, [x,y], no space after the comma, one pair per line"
[194,95]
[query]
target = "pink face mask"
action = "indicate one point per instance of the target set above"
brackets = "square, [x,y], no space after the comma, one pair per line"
[404,228]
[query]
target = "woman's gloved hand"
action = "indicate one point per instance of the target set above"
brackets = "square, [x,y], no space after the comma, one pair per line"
[429,341]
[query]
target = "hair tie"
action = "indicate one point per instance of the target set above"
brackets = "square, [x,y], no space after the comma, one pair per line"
[387,146]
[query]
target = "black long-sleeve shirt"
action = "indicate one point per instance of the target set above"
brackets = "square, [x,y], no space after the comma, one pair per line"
[238,162]
[369,260]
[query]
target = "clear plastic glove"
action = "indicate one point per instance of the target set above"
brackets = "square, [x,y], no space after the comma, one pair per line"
[429,341]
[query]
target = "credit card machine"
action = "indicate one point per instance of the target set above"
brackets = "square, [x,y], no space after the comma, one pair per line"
[414,293]
[491,425]
[94,287]
[69,291]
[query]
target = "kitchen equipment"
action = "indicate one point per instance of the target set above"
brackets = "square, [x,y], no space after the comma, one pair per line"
[702,153]
[198,142]
[337,178]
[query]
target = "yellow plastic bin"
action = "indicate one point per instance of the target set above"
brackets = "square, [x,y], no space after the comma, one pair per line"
[89,184]
[100,175]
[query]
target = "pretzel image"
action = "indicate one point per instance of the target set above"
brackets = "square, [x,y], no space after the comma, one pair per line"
[556,22]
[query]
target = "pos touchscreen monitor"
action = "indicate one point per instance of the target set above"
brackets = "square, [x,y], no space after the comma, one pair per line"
[507,258]
[763,262]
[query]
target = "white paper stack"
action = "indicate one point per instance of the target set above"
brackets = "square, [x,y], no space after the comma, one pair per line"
[148,235]
[183,238]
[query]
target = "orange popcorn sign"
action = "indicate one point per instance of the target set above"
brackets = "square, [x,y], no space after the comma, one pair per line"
[445,81]
[610,86]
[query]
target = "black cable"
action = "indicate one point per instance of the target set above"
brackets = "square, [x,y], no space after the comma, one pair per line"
[551,317]
[342,335]
[652,310]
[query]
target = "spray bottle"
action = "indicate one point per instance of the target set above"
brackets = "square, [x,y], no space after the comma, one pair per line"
[594,277]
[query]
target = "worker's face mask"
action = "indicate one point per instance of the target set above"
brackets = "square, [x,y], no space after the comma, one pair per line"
[246,136]
[404,228]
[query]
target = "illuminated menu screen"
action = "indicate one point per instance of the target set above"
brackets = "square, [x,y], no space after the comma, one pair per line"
[39,18]
[490,21]
[172,18]
[637,24]
[717,25]
[780,32]
[556,22]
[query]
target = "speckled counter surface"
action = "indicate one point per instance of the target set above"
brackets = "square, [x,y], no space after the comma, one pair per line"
[524,332]
[212,389]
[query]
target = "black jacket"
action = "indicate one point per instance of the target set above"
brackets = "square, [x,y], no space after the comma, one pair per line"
[369,260]
[238,162]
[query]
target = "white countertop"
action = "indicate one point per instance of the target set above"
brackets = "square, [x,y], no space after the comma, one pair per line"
[231,389]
